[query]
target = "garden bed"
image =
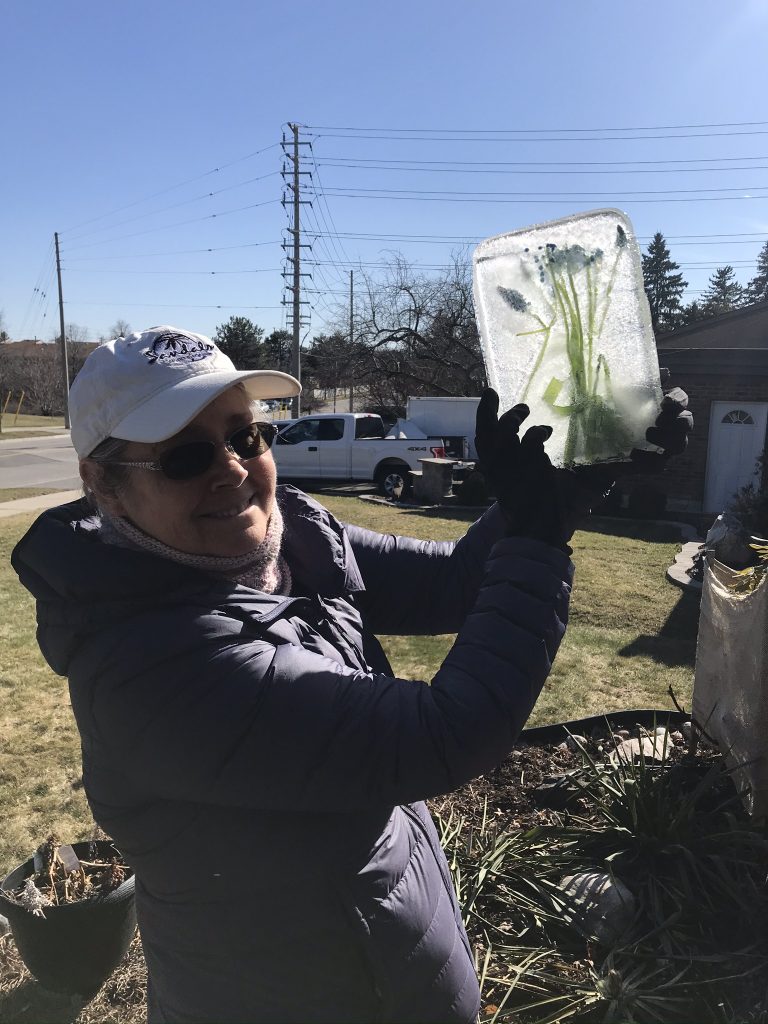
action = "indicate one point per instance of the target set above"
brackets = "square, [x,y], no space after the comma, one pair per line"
[693,947]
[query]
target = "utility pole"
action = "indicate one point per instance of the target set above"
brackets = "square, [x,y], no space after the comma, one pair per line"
[351,338]
[292,181]
[63,339]
[296,348]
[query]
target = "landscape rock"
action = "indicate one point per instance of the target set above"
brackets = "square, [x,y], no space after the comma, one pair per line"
[4,926]
[576,743]
[686,729]
[635,750]
[599,906]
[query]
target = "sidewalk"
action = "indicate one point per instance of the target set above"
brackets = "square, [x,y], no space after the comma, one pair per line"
[38,503]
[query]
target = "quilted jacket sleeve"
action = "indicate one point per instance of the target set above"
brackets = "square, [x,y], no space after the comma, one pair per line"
[234,721]
[417,587]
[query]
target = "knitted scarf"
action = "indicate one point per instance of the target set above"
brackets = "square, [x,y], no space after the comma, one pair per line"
[263,569]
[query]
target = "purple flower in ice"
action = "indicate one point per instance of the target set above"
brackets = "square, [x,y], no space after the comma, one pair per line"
[514,298]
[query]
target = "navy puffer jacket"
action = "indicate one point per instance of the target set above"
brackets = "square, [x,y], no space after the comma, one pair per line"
[259,766]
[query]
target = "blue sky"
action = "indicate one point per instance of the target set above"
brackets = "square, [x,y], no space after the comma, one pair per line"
[119,120]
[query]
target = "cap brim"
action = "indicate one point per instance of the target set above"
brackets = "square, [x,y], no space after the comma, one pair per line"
[168,411]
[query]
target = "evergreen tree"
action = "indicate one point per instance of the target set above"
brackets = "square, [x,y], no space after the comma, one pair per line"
[723,294]
[757,289]
[691,313]
[664,286]
[278,347]
[241,340]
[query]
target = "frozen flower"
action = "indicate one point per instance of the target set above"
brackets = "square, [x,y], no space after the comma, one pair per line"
[514,298]
[572,258]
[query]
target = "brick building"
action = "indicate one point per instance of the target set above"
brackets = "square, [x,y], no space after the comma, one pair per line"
[723,365]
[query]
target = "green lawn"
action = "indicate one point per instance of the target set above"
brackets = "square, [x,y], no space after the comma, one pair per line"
[631,636]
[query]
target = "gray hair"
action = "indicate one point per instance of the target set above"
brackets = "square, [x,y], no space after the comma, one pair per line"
[111,477]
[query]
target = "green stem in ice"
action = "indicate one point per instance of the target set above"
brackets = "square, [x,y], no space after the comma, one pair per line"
[546,330]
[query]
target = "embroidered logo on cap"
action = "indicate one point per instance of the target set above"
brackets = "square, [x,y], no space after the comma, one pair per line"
[172,349]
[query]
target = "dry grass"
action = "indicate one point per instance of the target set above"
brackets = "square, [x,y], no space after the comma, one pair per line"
[10,420]
[631,635]
[12,493]
[121,1000]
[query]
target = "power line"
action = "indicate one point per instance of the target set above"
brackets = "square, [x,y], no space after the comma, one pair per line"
[495,170]
[518,131]
[547,202]
[542,138]
[173,252]
[180,184]
[176,224]
[174,206]
[154,273]
[164,305]
[413,192]
[546,163]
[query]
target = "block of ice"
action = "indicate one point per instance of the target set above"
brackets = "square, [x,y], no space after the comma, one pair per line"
[565,327]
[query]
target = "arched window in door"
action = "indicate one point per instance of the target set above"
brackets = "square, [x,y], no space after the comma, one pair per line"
[738,416]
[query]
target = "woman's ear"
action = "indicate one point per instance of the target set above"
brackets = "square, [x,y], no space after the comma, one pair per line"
[104,497]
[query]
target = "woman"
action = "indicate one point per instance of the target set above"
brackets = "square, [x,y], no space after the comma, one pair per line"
[244,739]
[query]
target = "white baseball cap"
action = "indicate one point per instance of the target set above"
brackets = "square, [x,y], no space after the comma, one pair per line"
[149,385]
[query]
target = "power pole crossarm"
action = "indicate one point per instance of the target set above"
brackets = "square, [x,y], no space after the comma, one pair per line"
[63,338]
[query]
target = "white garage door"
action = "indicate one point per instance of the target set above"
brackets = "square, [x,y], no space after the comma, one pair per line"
[736,439]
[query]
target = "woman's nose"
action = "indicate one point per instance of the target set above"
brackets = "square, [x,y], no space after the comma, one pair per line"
[228,467]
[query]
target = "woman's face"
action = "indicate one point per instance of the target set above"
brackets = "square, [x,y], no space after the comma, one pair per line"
[225,511]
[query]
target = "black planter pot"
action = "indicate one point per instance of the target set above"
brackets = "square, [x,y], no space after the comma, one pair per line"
[76,946]
[648,718]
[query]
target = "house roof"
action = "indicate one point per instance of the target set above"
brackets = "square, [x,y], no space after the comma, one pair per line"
[745,328]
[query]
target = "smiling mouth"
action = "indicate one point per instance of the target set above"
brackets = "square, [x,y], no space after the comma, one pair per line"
[230,513]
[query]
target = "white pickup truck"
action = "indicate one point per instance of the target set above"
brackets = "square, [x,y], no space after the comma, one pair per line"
[351,446]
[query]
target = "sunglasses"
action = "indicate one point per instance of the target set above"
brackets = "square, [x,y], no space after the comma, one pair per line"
[186,461]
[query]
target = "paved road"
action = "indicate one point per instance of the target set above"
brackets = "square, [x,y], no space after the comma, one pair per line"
[39,462]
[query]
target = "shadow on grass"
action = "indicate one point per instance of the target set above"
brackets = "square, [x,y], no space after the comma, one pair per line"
[636,529]
[675,643]
[30,1003]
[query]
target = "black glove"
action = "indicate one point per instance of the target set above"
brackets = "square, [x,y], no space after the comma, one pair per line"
[548,504]
[519,472]
[670,433]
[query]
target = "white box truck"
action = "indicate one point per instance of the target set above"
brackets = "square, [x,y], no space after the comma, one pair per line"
[453,419]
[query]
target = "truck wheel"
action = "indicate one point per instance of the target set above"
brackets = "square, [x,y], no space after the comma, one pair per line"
[393,481]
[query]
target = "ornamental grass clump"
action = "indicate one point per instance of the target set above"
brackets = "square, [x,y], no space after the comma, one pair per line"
[670,828]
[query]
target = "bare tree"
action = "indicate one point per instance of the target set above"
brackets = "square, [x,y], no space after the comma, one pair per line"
[420,334]
[119,329]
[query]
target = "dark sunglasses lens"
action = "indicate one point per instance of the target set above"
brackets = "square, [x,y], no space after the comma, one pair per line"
[188,460]
[254,440]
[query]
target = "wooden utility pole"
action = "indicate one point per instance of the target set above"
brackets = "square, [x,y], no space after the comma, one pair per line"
[351,339]
[296,347]
[63,337]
